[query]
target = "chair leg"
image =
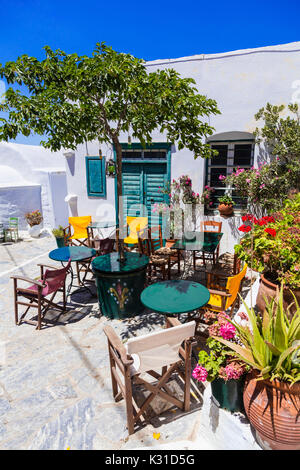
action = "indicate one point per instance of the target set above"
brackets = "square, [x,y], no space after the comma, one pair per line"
[128,401]
[187,382]
[39,322]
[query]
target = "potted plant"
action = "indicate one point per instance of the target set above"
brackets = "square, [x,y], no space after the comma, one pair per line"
[225,205]
[221,367]
[271,246]
[34,220]
[59,235]
[270,345]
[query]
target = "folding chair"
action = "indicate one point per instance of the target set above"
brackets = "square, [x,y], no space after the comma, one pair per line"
[80,235]
[134,224]
[207,226]
[51,281]
[224,292]
[144,355]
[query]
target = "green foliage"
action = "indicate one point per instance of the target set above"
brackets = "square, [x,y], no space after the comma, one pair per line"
[278,254]
[226,199]
[267,186]
[271,345]
[73,99]
[215,360]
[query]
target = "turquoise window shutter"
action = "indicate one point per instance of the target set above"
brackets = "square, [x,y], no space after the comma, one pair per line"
[95,176]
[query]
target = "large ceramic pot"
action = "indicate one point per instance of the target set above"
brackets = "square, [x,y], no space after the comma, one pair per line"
[268,290]
[34,230]
[228,394]
[225,209]
[273,408]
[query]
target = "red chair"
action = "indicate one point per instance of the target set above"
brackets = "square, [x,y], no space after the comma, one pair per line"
[51,282]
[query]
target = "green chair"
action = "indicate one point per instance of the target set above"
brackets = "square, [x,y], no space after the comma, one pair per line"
[12,232]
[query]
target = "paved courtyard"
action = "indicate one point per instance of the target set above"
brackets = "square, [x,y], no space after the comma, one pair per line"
[55,388]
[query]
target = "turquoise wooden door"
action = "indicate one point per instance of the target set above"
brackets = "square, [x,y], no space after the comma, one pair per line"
[141,189]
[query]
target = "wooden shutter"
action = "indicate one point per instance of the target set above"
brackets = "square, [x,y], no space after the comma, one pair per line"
[95,176]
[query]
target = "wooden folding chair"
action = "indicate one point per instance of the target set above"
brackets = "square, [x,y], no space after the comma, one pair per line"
[207,226]
[224,294]
[51,282]
[76,233]
[144,355]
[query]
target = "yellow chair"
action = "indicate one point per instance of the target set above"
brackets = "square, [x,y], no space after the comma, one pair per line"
[135,224]
[224,297]
[80,234]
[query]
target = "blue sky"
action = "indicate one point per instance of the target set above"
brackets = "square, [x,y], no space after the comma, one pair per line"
[147,29]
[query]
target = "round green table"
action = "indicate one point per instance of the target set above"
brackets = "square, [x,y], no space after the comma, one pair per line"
[175,296]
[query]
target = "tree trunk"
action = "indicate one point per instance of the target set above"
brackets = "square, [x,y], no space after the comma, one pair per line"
[119,202]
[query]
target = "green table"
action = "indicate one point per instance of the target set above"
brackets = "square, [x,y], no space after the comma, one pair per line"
[175,296]
[198,241]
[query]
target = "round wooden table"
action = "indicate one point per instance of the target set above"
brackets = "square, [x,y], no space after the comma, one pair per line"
[175,296]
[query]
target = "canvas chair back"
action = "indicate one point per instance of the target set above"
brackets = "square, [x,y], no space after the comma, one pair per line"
[135,224]
[80,225]
[233,285]
[54,279]
[159,349]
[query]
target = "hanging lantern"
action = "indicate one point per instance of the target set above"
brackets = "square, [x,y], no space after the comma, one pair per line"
[100,154]
[111,169]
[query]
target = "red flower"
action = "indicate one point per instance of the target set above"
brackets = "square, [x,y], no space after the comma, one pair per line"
[245,228]
[271,231]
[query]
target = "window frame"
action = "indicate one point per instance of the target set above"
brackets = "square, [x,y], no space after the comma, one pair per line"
[230,165]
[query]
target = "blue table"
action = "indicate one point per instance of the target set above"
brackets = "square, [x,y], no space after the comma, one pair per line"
[75,254]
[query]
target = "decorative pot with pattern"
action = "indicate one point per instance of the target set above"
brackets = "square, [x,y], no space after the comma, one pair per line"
[273,409]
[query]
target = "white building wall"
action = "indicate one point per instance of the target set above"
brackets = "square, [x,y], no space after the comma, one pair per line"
[25,183]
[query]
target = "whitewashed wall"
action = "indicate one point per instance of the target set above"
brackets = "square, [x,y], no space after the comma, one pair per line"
[27,183]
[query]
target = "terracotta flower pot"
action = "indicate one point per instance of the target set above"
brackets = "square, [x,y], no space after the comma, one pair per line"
[225,209]
[268,290]
[273,410]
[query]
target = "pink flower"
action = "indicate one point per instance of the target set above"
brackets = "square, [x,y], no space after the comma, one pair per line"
[222,177]
[200,373]
[233,371]
[227,331]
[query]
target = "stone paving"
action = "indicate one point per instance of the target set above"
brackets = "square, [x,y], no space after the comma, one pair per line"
[55,388]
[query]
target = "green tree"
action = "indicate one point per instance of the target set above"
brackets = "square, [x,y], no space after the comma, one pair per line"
[73,99]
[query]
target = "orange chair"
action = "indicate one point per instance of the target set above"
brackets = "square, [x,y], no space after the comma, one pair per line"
[79,227]
[222,298]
